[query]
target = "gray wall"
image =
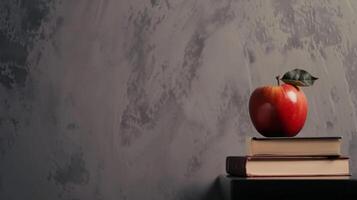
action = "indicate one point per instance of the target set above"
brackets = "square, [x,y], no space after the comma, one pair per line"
[109,99]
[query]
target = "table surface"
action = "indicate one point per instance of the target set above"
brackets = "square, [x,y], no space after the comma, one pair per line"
[289,187]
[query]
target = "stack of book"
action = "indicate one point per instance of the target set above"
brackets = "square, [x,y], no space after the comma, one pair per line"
[290,157]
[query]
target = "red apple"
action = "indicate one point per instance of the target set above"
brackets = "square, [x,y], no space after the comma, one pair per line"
[278,111]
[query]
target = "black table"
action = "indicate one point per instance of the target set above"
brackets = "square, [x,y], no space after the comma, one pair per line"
[235,188]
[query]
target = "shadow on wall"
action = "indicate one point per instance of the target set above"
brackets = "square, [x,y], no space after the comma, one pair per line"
[214,191]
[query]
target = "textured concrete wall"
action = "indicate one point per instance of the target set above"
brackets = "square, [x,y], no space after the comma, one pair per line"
[114,99]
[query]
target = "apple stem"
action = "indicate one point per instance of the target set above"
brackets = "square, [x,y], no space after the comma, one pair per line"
[277,79]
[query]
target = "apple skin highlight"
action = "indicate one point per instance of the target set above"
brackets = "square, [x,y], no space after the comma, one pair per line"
[278,111]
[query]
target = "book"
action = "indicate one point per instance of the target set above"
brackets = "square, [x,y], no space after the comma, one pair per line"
[325,177]
[297,146]
[286,166]
[233,188]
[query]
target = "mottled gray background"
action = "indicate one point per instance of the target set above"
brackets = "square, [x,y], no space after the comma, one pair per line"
[115,99]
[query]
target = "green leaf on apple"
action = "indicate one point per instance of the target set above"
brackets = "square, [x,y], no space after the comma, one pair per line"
[299,77]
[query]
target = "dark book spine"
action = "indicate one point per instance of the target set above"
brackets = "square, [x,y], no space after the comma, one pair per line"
[236,166]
